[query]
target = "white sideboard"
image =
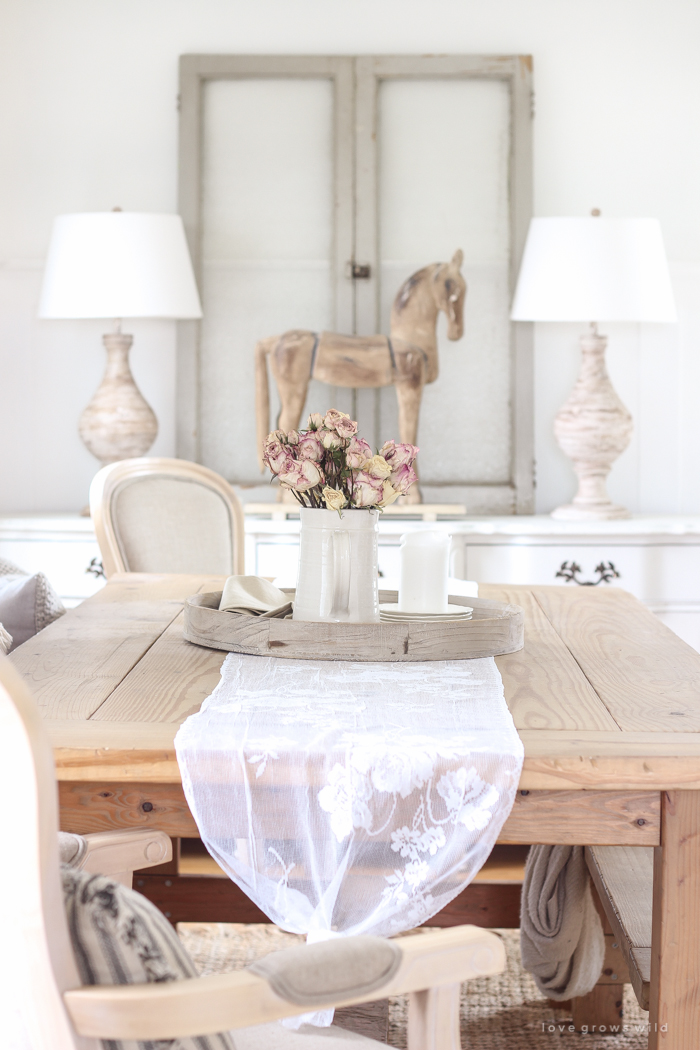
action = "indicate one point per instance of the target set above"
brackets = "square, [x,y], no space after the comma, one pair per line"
[656,558]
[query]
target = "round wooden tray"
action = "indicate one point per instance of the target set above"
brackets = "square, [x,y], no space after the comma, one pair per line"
[493,630]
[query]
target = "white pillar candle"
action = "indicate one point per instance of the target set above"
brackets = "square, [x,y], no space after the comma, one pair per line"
[424,568]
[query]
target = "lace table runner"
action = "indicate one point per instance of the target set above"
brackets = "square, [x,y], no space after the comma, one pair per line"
[346,797]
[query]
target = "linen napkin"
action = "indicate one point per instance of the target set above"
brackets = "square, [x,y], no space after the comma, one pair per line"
[561,935]
[254,595]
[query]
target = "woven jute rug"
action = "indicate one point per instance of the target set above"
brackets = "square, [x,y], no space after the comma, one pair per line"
[505,1012]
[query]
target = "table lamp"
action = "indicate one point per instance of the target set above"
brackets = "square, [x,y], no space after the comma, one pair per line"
[593,270]
[118,264]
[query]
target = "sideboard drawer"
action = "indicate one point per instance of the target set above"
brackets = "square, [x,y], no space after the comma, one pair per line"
[653,573]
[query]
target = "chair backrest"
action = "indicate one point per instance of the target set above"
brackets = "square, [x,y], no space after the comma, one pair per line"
[38,958]
[166,515]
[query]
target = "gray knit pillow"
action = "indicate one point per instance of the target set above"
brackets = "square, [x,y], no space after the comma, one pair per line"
[8,568]
[27,603]
[119,937]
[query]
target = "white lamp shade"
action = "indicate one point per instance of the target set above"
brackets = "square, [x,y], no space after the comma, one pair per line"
[594,269]
[119,264]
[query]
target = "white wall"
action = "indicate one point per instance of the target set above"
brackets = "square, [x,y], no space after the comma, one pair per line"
[88,120]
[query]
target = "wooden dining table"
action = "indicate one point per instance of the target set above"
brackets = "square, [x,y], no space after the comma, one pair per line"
[605,698]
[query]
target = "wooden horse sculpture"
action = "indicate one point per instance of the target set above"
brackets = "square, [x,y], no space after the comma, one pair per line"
[408,358]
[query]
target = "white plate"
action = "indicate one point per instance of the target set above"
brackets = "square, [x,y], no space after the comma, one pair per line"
[455,612]
[426,615]
[393,609]
[447,619]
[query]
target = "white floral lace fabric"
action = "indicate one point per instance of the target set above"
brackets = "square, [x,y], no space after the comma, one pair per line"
[349,798]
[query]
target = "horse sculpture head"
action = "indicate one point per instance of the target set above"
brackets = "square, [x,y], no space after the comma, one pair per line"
[426,292]
[449,292]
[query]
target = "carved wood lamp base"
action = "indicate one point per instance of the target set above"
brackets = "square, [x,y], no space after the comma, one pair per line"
[593,428]
[118,423]
[606,511]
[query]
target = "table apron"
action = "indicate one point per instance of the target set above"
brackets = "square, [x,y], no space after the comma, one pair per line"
[592,818]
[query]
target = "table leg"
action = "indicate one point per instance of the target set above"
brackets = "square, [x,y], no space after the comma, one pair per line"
[674,1013]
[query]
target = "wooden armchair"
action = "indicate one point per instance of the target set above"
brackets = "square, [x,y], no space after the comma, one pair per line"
[63,1015]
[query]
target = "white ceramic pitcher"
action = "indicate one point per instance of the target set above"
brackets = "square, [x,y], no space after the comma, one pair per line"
[338,569]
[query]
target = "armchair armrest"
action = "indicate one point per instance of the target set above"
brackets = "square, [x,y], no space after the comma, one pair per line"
[238,1000]
[120,853]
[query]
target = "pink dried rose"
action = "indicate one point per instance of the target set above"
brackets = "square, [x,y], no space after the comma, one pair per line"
[403,478]
[310,447]
[400,455]
[302,475]
[275,435]
[367,491]
[293,437]
[340,422]
[357,453]
[346,427]
[387,449]
[378,467]
[277,455]
[315,421]
[389,494]
[330,439]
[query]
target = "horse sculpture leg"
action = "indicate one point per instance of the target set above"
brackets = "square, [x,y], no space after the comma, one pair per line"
[410,380]
[291,358]
[263,350]
[291,361]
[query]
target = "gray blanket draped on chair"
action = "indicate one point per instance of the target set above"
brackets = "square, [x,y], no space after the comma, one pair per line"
[561,935]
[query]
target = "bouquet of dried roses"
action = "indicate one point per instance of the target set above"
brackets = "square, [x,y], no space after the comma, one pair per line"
[329,467]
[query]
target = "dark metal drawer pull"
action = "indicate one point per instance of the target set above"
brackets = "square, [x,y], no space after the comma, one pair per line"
[606,572]
[96,569]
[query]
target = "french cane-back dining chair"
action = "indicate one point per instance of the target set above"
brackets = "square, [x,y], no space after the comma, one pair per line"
[166,515]
[92,960]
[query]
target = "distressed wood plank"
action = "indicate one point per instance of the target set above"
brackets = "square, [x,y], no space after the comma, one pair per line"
[169,683]
[674,995]
[543,684]
[624,879]
[540,817]
[577,817]
[75,663]
[606,761]
[144,752]
[102,806]
[647,678]
[152,586]
[114,751]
